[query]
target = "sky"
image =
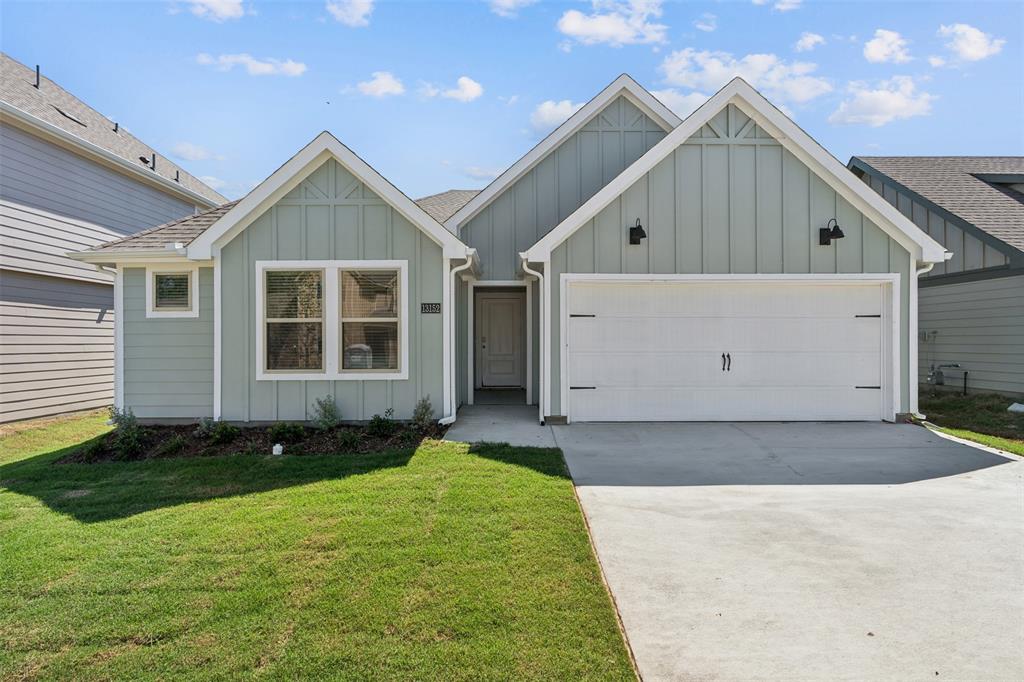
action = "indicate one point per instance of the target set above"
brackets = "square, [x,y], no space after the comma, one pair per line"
[442,95]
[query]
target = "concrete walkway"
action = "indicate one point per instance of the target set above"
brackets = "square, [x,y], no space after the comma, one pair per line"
[512,424]
[806,551]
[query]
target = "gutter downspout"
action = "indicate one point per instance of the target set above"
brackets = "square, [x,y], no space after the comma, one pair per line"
[915,341]
[452,406]
[542,314]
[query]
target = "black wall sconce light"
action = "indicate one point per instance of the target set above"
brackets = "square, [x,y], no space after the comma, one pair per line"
[832,231]
[636,233]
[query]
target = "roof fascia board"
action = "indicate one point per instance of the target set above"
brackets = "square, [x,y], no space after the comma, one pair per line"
[285,178]
[623,85]
[795,140]
[62,137]
[1010,251]
[127,257]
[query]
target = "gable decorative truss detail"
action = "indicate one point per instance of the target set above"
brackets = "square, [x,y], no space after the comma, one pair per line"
[711,123]
[623,86]
[292,174]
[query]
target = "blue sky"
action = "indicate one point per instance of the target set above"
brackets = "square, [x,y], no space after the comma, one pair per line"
[445,95]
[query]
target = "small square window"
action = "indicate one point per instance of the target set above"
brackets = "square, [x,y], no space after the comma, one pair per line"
[171,291]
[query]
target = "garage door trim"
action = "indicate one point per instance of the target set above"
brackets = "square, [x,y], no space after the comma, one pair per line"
[890,282]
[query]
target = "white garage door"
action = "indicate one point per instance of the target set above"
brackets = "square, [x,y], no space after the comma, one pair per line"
[693,351]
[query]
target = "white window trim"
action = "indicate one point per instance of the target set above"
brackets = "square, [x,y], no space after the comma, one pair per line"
[332,320]
[152,269]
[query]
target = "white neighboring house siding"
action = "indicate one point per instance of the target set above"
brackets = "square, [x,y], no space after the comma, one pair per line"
[57,345]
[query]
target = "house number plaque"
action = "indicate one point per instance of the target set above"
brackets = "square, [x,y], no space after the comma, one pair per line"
[430,307]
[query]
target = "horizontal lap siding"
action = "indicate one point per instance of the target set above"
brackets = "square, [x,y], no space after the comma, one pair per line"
[979,325]
[719,204]
[56,345]
[168,362]
[331,216]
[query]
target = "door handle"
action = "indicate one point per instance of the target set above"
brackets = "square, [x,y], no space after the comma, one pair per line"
[728,357]
[723,362]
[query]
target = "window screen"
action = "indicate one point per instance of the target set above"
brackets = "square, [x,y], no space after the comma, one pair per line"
[369,319]
[171,291]
[294,319]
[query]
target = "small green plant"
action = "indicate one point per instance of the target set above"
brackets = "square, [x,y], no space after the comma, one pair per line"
[175,445]
[93,450]
[382,426]
[204,429]
[223,432]
[326,415]
[423,415]
[348,440]
[286,432]
[128,435]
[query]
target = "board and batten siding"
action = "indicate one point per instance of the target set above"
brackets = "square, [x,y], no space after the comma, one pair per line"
[979,325]
[56,345]
[168,362]
[730,199]
[330,215]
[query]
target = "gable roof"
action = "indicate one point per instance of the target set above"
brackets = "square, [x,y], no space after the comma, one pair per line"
[624,85]
[55,110]
[323,147]
[181,231]
[740,93]
[443,205]
[963,186]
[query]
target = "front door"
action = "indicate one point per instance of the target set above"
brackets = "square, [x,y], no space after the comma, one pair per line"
[500,339]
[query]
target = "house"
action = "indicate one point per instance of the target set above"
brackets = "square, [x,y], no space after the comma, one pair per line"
[631,266]
[69,179]
[971,309]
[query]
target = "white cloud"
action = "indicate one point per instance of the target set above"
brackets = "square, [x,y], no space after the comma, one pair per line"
[887,46]
[682,104]
[382,84]
[253,66]
[708,22]
[890,100]
[351,12]
[787,5]
[781,81]
[480,173]
[217,10]
[550,114]
[509,8]
[808,41]
[510,100]
[215,183]
[936,61]
[615,22]
[429,89]
[970,44]
[466,90]
[193,152]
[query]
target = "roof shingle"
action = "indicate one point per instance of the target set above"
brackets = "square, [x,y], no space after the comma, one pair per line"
[183,230]
[443,206]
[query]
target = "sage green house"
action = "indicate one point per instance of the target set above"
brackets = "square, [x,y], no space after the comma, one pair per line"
[632,266]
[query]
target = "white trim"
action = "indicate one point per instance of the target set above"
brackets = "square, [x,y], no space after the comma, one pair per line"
[542,339]
[332,320]
[323,147]
[914,377]
[739,93]
[174,267]
[623,85]
[471,286]
[217,350]
[451,405]
[447,380]
[133,256]
[890,281]
[109,158]
[119,338]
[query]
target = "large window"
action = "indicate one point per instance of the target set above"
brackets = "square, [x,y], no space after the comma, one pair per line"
[172,290]
[339,320]
[369,320]
[294,319]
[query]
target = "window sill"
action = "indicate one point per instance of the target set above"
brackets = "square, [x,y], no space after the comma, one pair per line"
[323,376]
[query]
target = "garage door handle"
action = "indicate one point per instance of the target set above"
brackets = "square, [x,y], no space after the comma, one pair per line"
[723,362]
[728,357]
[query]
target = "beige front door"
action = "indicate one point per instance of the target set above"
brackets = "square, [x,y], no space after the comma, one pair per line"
[500,339]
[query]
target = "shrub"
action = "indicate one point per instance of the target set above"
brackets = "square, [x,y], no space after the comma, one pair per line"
[223,432]
[204,429]
[348,440]
[423,415]
[93,450]
[128,434]
[175,445]
[382,426]
[286,432]
[326,415]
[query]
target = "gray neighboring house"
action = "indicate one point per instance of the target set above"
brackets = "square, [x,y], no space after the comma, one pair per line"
[69,179]
[971,310]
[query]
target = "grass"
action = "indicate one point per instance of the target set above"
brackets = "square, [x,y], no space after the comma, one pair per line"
[979,417]
[443,562]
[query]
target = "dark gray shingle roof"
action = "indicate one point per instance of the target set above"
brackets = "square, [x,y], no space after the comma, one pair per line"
[182,230]
[17,88]
[951,182]
[443,206]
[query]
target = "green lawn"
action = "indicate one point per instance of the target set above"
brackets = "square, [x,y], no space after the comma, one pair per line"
[979,417]
[443,562]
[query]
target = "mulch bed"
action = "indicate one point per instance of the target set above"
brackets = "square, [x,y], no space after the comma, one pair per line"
[164,441]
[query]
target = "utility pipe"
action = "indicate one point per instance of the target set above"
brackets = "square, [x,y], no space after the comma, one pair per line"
[542,314]
[451,407]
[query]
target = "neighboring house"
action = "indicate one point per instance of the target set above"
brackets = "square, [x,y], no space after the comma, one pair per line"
[69,179]
[972,307]
[632,266]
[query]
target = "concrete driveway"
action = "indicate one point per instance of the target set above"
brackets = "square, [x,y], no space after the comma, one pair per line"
[806,551]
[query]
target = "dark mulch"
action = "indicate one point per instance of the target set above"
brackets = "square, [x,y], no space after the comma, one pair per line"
[163,441]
